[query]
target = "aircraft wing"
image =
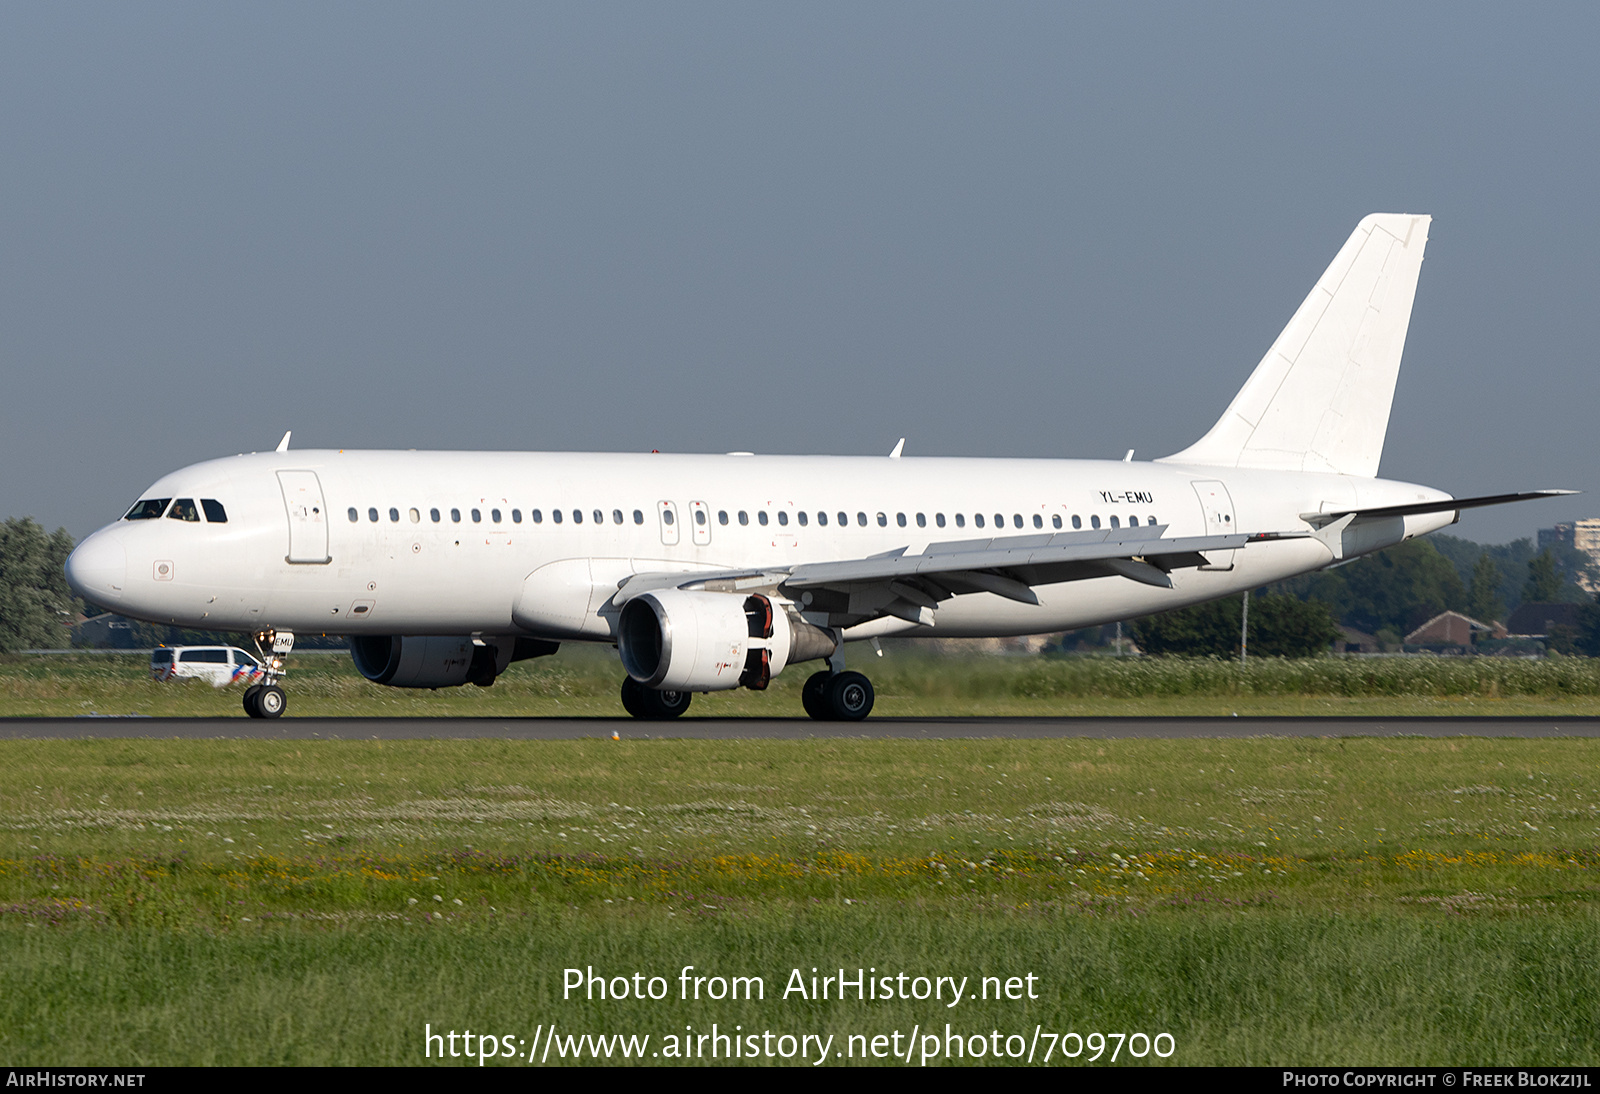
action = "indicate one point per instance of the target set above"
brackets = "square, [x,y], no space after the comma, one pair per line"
[910,586]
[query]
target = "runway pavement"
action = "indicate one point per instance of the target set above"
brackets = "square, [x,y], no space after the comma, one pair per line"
[556,729]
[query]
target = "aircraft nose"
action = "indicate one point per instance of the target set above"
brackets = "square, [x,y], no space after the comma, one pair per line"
[98,569]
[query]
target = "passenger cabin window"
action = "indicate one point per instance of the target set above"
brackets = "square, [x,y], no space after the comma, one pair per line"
[354,516]
[455,516]
[477,516]
[961,520]
[433,514]
[722,516]
[577,516]
[667,517]
[938,518]
[394,515]
[801,516]
[1094,522]
[922,520]
[516,516]
[1115,523]
[844,519]
[148,509]
[416,517]
[1133,522]
[184,509]
[883,520]
[638,516]
[616,516]
[1077,521]
[822,519]
[900,519]
[761,517]
[744,517]
[783,517]
[494,515]
[977,518]
[1016,519]
[599,517]
[536,516]
[1038,521]
[1055,521]
[215,513]
[372,515]
[700,517]
[861,519]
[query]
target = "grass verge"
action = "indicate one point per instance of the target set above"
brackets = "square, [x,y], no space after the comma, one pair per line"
[1263,902]
[584,682]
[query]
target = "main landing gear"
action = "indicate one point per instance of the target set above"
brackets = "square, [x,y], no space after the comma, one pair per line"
[652,705]
[837,696]
[266,699]
[828,696]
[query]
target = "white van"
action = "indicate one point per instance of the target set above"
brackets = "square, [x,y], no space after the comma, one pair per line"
[219,666]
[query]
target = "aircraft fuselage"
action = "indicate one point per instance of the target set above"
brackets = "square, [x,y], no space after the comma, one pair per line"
[460,538]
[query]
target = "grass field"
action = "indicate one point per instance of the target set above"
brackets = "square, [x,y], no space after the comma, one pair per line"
[1262,901]
[583,681]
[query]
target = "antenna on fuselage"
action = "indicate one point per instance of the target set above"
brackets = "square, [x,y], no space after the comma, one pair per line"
[283,445]
[900,446]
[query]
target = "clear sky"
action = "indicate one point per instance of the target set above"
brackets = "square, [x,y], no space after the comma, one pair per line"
[994,229]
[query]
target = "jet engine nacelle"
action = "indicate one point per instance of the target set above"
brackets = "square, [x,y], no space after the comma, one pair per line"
[685,640]
[439,661]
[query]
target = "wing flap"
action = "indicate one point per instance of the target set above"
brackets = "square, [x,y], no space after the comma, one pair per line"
[1010,553]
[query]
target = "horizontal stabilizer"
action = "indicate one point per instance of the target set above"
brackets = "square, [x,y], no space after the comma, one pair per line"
[1443,505]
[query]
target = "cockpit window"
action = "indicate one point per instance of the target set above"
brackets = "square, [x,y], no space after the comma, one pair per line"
[215,513]
[184,509]
[148,509]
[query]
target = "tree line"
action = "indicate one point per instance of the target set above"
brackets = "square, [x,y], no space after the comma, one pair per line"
[36,605]
[1388,595]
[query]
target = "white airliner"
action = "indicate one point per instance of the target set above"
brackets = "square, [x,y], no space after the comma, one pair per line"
[714,572]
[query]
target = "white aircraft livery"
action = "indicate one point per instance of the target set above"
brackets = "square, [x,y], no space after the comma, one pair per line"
[711,572]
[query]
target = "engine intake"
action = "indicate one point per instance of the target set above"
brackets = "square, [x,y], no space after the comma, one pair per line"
[439,661]
[685,640]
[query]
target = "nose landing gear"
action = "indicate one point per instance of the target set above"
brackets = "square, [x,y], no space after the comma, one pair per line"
[266,699]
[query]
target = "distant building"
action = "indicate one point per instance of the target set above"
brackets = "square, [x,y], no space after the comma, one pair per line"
[1353,641]
[1586,538]
[107,631]
[1559,536]
[1537,620]
[1447,629]
[1582,536]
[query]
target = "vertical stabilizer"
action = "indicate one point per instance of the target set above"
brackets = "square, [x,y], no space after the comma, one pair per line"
[1319,400]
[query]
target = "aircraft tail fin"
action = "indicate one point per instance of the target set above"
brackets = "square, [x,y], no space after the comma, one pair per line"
[1319,400]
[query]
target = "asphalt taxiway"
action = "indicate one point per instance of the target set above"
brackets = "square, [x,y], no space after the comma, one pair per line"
[563,729]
